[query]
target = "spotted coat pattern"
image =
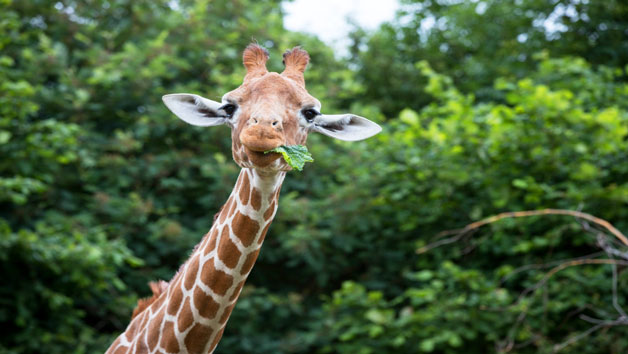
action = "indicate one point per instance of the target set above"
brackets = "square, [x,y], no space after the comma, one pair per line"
[190,315]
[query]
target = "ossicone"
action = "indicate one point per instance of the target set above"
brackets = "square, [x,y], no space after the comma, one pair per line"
[295,61]
[254,59]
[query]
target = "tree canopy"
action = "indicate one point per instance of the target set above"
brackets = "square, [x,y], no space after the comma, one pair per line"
[487,106]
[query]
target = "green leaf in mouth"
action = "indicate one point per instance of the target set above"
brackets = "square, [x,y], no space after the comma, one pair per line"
[295,155]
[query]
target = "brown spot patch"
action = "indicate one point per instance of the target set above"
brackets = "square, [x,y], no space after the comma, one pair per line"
[249,262]
[153,331]
[175,299]
[131,331]
[215,279]
[225,210]
[140,347]
[234,206]
[197,337]
[226,314]
[212,241]
[216,340]
[185,318]
[143,319]
[169,339]
[256,199]
[236,291]
[269,212]
[245,228]
[157,304]
[120,350]
[190,273]
[263,235]
[204,303]
[227,250]
[245,189]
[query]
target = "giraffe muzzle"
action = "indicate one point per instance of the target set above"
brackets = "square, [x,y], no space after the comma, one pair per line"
[257,139]
[261,138]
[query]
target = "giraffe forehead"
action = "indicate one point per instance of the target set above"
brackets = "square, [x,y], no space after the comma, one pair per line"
[272,91]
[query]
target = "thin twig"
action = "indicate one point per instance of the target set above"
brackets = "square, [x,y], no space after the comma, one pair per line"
[562,266]
[603,244]
[617,322]
[444,241]
[559,347]
[544,265]
[591,319]
[616,305]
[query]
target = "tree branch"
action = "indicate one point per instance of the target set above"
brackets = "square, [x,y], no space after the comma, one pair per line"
[459,233]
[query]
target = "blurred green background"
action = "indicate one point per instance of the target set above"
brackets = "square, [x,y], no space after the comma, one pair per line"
[498,105]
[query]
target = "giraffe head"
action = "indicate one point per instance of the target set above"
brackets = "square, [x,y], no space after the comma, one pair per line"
[269,110]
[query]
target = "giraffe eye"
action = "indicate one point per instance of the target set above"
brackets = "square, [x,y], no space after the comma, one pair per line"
[309,114]
[229,109]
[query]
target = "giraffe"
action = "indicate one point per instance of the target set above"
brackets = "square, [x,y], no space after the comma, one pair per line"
[189,313]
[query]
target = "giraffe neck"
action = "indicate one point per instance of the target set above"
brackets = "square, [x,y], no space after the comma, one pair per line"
[190,315]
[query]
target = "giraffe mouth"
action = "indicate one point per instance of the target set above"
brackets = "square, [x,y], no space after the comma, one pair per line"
[256,140]
[259,158]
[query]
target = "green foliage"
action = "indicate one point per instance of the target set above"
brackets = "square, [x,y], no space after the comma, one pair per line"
[295,155]
[456,161]
[475,42]
[58,276]
[91,160]
[103,190]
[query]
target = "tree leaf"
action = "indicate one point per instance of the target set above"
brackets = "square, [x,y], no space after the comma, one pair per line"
[295,155]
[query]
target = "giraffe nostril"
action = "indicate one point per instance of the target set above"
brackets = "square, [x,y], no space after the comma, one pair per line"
[275,123]
[254,120]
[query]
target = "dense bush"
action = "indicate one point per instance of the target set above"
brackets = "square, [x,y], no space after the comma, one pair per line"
[103,190]
[475,42]
[547,146]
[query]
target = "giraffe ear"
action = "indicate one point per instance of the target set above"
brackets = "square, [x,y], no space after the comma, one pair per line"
[348,127]
[196,110]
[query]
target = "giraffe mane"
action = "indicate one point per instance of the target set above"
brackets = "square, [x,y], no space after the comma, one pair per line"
[157,287]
